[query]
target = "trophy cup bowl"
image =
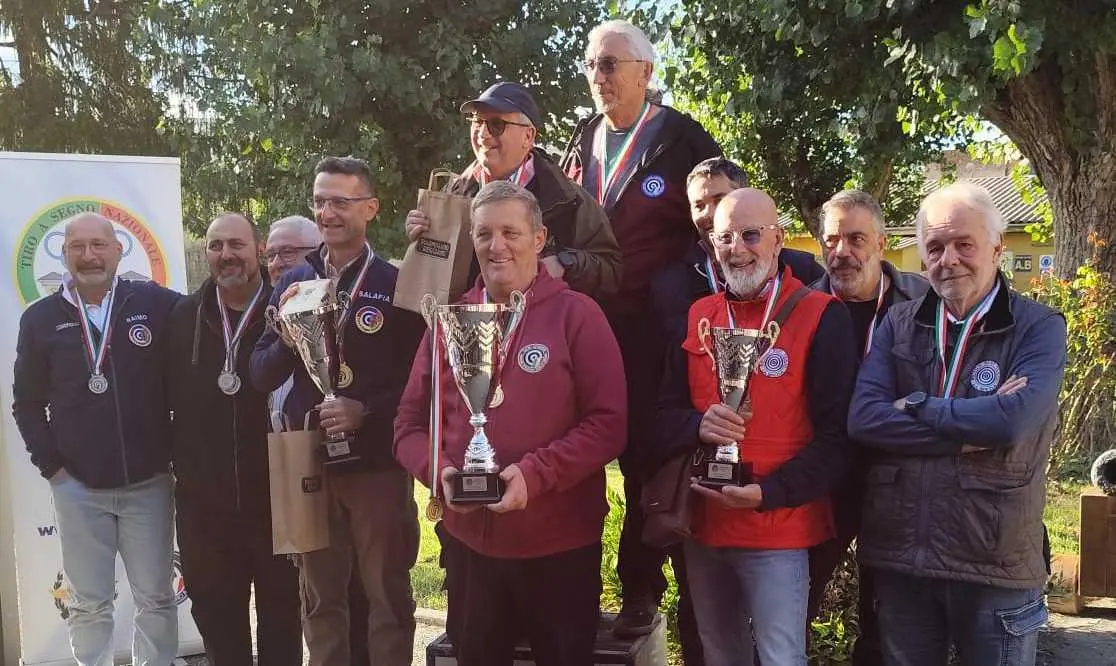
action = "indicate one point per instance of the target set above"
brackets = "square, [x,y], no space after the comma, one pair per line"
[473,335]
[735,353]
[308,322]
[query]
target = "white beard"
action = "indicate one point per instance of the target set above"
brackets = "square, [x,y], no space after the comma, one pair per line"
[747,283]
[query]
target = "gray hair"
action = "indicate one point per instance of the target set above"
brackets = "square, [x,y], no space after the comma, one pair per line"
[848,199]
[637,40]
[505,190]
[966,194]
[304,227]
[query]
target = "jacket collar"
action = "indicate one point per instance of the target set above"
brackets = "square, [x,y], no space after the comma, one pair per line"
[669,132]
[1000,317]
[543,287]
[207,308]
[905,286]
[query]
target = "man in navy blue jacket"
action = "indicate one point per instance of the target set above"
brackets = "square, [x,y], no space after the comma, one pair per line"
[90,404]
[372,505]
[958,400]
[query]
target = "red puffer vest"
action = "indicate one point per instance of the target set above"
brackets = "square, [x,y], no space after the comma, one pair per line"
[780,425]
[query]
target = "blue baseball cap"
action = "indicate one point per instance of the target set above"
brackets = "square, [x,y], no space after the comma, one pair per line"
[507,97]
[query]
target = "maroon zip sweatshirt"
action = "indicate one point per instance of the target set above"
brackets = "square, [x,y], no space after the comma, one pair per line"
[563,418]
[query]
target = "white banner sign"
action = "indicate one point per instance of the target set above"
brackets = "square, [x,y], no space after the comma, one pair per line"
[141,196]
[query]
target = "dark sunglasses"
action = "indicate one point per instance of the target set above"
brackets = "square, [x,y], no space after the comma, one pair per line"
[496,126]
[605,64]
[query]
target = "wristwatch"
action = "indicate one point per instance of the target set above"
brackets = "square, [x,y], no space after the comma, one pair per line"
[913,402]
[567,258]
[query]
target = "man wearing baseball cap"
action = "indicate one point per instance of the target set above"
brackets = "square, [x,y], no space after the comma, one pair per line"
[503,123]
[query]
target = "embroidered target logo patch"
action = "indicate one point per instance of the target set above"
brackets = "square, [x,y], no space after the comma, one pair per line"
[140,335]
[533,358]
[985,376]
[774,363]
[653,186]
[369,319]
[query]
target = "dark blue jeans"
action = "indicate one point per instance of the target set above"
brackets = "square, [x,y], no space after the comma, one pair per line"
[991,626]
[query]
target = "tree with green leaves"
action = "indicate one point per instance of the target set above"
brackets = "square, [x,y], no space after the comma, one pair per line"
[1043,71]
[808,119]
[83,76]
[280,83]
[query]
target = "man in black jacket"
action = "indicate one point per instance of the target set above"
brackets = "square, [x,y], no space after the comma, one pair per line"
[633,157]
[372,504]
[89,401]
[853,241]
[220,459]
[504,124]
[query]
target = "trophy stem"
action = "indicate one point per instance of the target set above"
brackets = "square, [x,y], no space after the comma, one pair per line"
[480,457]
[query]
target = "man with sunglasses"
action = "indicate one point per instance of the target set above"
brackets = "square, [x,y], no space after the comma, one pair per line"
[372,507]
[633,156]
[504,122]
[748,559]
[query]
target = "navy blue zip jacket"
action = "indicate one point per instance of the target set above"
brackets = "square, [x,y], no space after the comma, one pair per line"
[115,439]
[220,441]
[379,351]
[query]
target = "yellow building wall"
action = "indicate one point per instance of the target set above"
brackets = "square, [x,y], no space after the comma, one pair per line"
[1022,256]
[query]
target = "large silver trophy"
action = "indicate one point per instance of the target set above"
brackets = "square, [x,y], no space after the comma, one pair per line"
[308,323]
[736,353]
[476,338]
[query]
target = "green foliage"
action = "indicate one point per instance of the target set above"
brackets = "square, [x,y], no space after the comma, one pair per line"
[834,632]
[810,117]
[1088,399]
[280,84]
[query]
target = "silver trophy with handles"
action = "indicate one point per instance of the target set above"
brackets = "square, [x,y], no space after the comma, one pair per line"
[735,353]
[475,337]
[308,323]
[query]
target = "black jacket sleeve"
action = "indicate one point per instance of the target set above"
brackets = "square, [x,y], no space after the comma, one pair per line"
[676,422]
[831,375]
[381,404]
[29,398]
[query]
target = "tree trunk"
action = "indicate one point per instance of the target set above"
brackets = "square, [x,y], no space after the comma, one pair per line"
[1074,156]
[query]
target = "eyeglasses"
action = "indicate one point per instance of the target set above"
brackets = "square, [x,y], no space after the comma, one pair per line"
[98,247]
[605,64]
[286,253]
[750,237]
[496,126]
[339,204]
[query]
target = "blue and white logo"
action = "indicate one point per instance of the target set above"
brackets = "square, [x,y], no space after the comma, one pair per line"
[774,363]
[533,357]
[653,186]
[985,376]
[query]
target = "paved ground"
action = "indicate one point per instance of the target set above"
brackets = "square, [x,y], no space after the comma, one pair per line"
[1088,639]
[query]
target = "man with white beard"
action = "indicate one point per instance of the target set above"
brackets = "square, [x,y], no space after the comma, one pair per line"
[748,558]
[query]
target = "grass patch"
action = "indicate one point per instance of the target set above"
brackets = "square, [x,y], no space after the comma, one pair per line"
[1063,515]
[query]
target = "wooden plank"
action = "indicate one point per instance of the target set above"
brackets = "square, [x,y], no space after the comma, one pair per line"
[1096,550]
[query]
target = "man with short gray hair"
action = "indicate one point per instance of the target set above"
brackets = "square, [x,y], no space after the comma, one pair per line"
[957,401]
[289,240]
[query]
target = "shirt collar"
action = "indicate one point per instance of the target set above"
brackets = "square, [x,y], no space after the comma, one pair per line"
[68,279]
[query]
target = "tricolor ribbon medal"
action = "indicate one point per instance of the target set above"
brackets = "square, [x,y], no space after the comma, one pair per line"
[772,362]
[875,317]
[344,371]
[95,350]
[228,381]
[951,365]
[609,170]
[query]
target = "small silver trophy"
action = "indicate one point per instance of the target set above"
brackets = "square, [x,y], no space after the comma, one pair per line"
[736,353]
[476,337]
[308,323]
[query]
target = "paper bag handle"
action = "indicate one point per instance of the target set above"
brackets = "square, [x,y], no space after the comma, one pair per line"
[436,175]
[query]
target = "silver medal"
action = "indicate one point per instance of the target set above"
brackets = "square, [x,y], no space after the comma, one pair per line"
[228,382]
[98,384]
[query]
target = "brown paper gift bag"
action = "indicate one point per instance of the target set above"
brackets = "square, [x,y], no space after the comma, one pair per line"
[438,262]
[299,501]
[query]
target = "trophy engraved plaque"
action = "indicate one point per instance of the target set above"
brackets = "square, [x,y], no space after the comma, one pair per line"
[736,353]
[308,322]
[475,337]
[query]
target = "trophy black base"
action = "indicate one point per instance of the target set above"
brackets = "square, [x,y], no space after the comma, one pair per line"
[477,488]
[716,475]
[337,451]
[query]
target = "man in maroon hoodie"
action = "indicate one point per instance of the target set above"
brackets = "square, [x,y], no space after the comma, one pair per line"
[531,561]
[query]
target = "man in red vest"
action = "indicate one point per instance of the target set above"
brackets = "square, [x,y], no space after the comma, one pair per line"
[748,560]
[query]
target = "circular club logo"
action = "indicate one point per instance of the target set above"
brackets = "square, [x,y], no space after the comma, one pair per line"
[653,186]
[39,263]
[985,376]
[369,320]
[774,363]
[533,357]
[140,335]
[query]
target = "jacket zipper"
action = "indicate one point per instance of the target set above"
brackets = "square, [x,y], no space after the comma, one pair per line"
[116,397]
